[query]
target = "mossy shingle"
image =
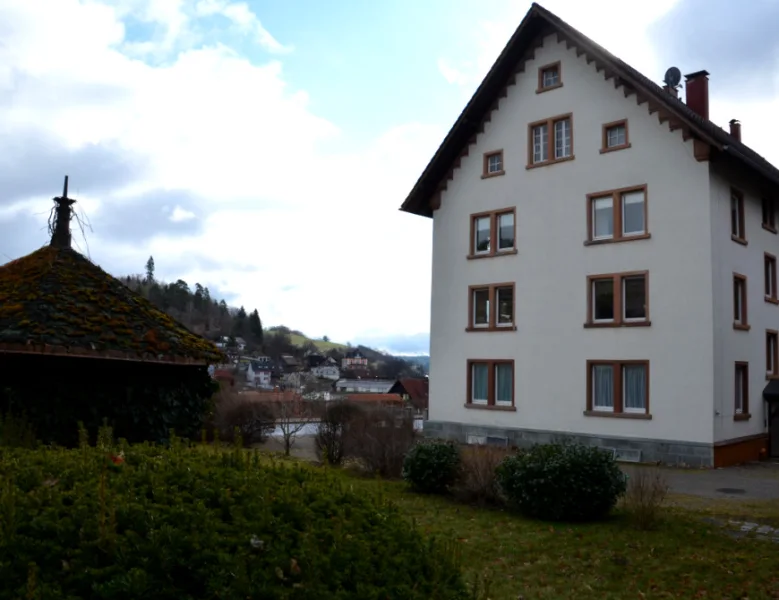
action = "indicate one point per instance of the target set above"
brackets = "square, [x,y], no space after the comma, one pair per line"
[55,297]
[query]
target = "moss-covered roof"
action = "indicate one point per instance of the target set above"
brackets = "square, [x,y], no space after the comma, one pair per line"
[56,301]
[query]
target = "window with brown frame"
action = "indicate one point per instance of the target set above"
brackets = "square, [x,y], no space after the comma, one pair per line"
[737,225]
[493,233]
[771,353]
[618,299]
[491,307]
[769,276]
[769,215]
[741,392]
[550,77]
[617,215]
[615,136]
[491,384]
[618,388]
[550,141]
[740,320]
[493,164]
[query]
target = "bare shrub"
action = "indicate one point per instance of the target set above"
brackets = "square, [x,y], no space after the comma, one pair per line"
[332,437]
[292,416]
[477,482]
[380,437]
[646,491]
[254,420]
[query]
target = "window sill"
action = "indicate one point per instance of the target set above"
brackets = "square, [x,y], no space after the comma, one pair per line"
[739,240]
[629,238]
[549,88]
[592,325]
[769,377]
[740,327]
[769,228]
[546,163]
[742,417]
[614,148]
[490,407]
[771,300]
[492,255]
[491,329]
[495,174]
[613,415]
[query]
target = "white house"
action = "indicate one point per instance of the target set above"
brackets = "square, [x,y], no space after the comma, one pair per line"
[604,262]
[259,374]
[365,386]
[327,371]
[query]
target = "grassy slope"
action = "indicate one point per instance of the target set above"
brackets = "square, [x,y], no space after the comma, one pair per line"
[685,558]
[299,340]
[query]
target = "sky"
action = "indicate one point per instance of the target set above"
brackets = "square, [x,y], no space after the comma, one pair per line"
[263,148]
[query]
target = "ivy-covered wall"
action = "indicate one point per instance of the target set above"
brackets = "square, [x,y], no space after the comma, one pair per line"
[141,401]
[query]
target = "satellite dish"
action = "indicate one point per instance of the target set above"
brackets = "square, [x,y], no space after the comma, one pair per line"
[672,77]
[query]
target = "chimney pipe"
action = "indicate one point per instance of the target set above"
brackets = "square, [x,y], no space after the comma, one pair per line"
[735,129]
[60,234]
[671,90]
[697,86]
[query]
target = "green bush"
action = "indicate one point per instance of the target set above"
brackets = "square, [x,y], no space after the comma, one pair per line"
[199,522]
[562,482]
[432,466]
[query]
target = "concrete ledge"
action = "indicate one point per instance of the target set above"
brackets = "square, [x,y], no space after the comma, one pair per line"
[690,454]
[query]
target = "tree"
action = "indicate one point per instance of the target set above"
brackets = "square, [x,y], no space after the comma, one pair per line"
[325,338]
[239,323]
[255,327]
[150,269]
[292,416]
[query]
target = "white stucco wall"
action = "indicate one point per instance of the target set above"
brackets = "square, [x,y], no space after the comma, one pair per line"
[550,346]
[732,345]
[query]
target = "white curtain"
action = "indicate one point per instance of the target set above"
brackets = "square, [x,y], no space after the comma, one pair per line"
[504,383]
[603,387]
[634,378]
[480,376]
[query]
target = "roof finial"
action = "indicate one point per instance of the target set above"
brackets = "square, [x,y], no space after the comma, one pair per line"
[60,231]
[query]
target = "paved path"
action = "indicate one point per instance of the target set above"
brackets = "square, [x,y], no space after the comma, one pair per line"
[757,481]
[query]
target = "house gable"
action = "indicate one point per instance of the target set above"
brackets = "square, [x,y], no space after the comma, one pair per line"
[707,140]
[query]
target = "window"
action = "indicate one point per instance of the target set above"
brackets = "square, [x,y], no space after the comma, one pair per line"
[617,215]
[493,164]
[618,300]
[769,215]
[549,77]
[741,396]
[769,275]
[493,233]
[491,383]
[618,388]
[771,353]
[550,141]
[491,307]
[615,136]
[740,302]
[737,232]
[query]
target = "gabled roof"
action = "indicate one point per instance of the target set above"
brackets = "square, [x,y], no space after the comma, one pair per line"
[538,23]
[417,390]
[55,301]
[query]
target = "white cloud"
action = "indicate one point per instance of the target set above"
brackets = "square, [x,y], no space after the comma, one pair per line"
[309,236]
[179,214]
[242,17]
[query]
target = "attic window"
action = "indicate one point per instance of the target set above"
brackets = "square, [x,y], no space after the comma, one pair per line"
[493,164]
[615,136]
[549,77]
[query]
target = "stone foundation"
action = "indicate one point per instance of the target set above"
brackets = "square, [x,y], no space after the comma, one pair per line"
[691,454]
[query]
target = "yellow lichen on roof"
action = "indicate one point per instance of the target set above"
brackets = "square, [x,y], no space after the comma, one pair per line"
[57,297]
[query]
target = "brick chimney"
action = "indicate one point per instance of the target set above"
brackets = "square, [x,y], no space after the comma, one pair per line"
[735,129]
[697,86]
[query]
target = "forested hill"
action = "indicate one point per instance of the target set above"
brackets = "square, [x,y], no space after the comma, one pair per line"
[212,318]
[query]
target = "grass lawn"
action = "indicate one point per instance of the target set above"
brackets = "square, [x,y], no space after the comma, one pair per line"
[299,340]
[520,558]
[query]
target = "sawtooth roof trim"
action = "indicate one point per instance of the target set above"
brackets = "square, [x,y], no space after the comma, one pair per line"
[538,23]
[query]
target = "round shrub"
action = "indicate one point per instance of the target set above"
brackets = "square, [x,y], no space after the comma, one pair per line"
[432,466]
[562,482]
[195,523]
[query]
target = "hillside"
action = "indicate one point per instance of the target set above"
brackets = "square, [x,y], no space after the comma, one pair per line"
[300,340]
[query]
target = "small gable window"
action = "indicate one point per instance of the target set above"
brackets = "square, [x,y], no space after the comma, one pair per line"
[493,164]
[615,136]
[549,77]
